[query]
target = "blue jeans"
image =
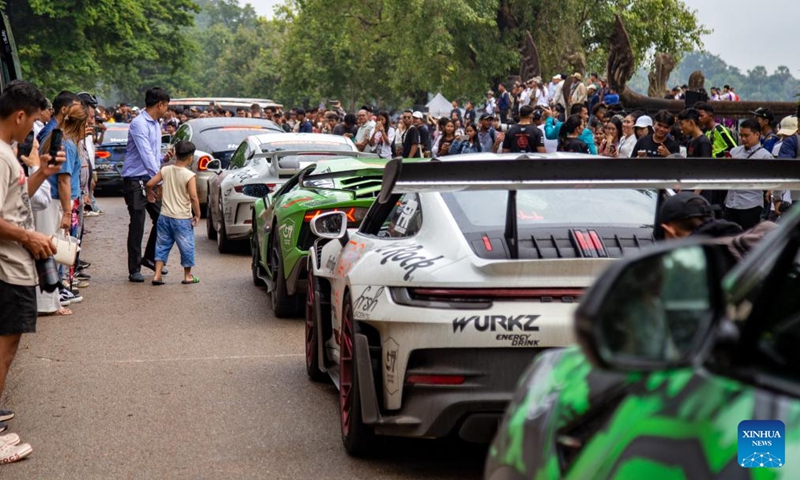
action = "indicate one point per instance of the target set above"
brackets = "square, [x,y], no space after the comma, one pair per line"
[172,231]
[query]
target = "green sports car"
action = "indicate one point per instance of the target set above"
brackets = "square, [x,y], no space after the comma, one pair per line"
[281,233]
[685,371]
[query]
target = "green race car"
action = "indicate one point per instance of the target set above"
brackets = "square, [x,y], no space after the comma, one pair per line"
[281,233]
[683,372]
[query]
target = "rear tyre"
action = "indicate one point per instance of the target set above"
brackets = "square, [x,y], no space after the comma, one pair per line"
[358,439]
[312,332]
[256,263]
[210,230]
[224,245]
[283,304]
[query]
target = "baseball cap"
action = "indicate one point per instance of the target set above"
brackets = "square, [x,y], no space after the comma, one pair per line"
[643,122]
[88,99]
[417,115]
[557,77]
[788,126]
[487,116]
[681,206]
[764,113]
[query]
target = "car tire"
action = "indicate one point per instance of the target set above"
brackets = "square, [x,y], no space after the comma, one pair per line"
[358,439]
[210,230]
[312,332]
[256,262]
[283,304]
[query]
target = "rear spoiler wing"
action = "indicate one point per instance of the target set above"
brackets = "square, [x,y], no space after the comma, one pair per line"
[524,173]
[278,154]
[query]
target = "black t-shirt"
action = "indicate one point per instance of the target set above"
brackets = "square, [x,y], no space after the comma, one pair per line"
[469,117]
[699,147]
[341,129]
[575,145]
[424,136]
[650,147]
[410,138]
[523,139]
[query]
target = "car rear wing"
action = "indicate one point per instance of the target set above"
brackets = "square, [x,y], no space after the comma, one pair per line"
[650,173]
[289,170]
[524,173]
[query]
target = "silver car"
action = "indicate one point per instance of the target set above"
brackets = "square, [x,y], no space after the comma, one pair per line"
[272,158]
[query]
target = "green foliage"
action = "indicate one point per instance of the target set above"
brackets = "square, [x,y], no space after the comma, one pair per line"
[756,84]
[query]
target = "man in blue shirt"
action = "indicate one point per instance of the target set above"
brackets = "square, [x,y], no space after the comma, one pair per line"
[143,160]
[305,125]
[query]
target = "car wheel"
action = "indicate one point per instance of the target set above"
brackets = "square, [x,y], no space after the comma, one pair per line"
[256,264]
[312,331]
[358,439]
[283,304]
[210,230]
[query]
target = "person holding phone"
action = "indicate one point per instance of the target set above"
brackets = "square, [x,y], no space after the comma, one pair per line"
[383,136]
[609,147]
[659,143]
[444,142]
[468,142]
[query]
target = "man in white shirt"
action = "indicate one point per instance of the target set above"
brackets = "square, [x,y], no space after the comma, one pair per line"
[491,104]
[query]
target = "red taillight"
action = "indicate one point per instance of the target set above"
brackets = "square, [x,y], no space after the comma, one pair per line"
[436,379]
[354,214]
[238,188]
[487,243]
[102,154]
[202,164]
[497,292]
[598,243]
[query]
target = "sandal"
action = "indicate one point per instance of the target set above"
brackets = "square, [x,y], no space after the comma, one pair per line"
[158,282]
[193,280]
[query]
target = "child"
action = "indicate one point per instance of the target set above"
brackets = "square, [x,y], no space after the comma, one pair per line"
[179,199]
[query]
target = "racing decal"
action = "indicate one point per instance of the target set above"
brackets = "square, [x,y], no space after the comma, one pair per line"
[408,257]
[352,252]
[390,354]
[407,211]
[330,265]
[287,232]
[493,323]
[518,340]
[366,302]
[296,200]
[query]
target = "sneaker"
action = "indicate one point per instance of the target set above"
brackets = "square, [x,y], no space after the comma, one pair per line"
[3,427]
[14,453]
[83,265]
[82,276]
[82,284]
[91,214]
[6,415]
[71,297]
[9,439]
[65,302]
[136,277]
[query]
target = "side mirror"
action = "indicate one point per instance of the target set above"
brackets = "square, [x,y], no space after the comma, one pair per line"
[258,190]
[331,225]
[214,165]
[655,311]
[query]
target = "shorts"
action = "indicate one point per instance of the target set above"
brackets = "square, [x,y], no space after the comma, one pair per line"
[172,231]
[17,309]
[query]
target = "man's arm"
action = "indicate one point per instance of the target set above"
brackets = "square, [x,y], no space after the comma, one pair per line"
[151,184]
[588,138]
[37,243]
[551,129]
[65,197]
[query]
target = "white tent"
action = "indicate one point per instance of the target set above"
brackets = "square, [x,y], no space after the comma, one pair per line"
[439,106]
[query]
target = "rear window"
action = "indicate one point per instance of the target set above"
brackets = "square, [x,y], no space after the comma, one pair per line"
[477,211]
[306,147]
[225,139]
[115,135]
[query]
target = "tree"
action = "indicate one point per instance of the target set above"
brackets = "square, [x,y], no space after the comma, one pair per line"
[79,45]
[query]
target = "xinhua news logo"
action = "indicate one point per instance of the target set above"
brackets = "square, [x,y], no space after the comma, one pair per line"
[762,444]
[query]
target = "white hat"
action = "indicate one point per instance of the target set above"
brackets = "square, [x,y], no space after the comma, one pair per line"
[788,126]
[643,122]
[417,115]
[557,77]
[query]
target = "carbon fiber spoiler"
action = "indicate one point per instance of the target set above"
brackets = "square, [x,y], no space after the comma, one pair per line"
[523,173]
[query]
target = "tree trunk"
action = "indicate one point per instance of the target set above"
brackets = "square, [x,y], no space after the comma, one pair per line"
[659,76]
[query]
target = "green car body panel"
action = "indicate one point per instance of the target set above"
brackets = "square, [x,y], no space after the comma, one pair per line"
[283,213]
[678,424]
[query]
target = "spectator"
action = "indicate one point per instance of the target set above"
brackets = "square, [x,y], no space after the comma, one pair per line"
[469,113]
[503,103]
[176,221]
[255,111]
[456,111]
[43,119]
[745,206]
[331,121]
[579,93]
[348,128]
[383,136]
[643,127]
[467,143]
[765,119]
[628,140]
[269,113]
[487,135]
[569,135]
[364,132]
[782,200]
[721,139]
[659,143]
[411,140]
[524,137]
[539,97]
[142,162]
[609,147]
[491,103]
[444,142]
[539,119]
[20,245]
[699,146]
[304,126]
[424,133]
[241,112]
[553,127]
[612,97]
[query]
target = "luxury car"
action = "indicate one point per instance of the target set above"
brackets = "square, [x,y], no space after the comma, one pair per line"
[216,139]
[270,159]
[281,233]
[228,103]
[679,358]
[109,156]
[460,274]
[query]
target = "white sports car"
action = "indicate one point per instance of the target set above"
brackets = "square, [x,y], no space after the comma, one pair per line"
[460,273]
[273,158]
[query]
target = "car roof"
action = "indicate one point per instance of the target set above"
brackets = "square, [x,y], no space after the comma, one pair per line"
[198,124]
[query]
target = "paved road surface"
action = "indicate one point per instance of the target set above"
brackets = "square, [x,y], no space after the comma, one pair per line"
[186,381]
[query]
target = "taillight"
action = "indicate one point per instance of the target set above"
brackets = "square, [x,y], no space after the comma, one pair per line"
[478,298]
[436,379]
[354,214]
[202,164]
[238,188]
[101,154]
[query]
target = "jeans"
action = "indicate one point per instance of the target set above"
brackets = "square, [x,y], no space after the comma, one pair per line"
[138,208]
[172,231]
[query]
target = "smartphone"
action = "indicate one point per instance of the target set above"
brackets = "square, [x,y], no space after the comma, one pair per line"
[55,145]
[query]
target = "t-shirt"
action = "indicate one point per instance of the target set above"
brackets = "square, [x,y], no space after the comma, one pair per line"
[424,136]
[523,139]
[650,147]
[575,145]
[410,138]
[72,167]
[469,117]
[341,129]
[699,147]
[16,263]
[175,201]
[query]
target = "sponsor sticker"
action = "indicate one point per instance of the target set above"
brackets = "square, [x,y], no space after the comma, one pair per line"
[287,232]
[762,444]
[390,353]
[496,323]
